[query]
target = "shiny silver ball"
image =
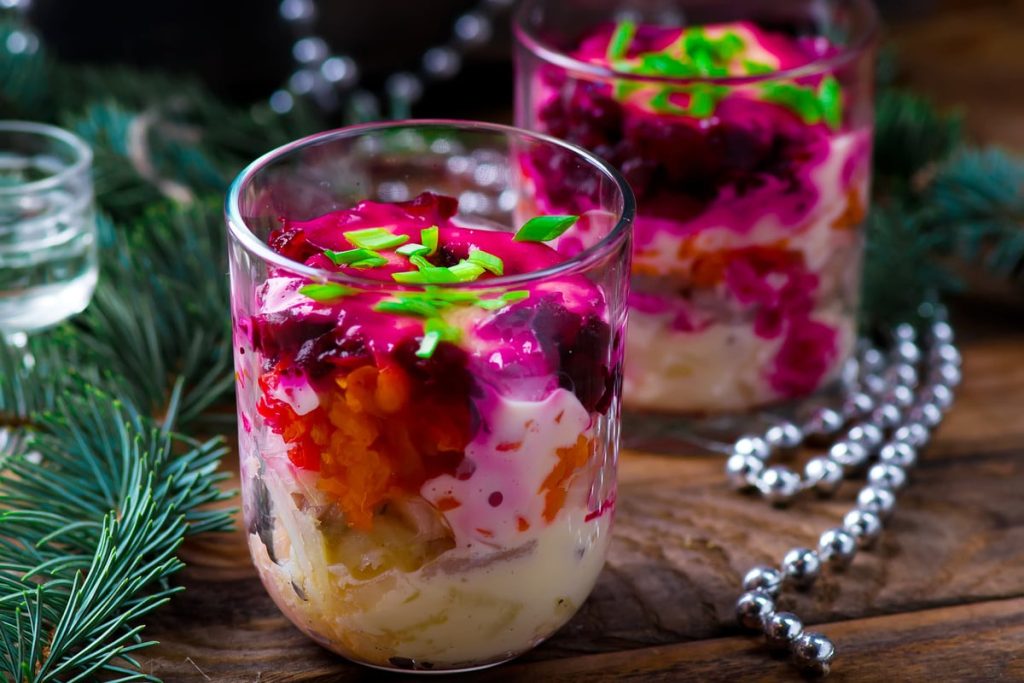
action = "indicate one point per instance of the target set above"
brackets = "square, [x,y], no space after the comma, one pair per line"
[900,396]
[942,332]
[874,384]
[887,416]
[824,475]
[813,653]
[781,629]
[848,454]
[837,547]
[867,435]
[857,404]
[946,353]
[947,374]
[877,500]
[753,608]
[784,437]
[904,332]
[752,445]
[928,414]
[940,395]
[871,358]
[903,374]
[473,28]
[823,423]
[441,62]
[887,476]
[778,484]
[899,453]
[767,580]
[742,470]
[404,86]
[850,372]
[908,352]
[801,567]
[864,526]
[913,434]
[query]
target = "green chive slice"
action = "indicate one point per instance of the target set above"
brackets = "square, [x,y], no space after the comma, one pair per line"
[544,228]
[375,238]
[413,249]
[465,271]
[326,292]
[487,261]
[622,37]
[429,238]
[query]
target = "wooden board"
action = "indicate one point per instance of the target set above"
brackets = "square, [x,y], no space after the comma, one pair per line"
[941,598]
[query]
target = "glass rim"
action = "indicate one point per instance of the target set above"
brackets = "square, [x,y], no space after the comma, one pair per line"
[82,154]
[259,248]
[525,37]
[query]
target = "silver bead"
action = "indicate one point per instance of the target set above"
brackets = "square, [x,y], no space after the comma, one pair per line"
[752,445]
[801,567]
[767,580]
[742,469]
[781,629]
[914,434]
[908,352]
[942,332]
[473,29]
[823,423]
[898,453]
[900,396]
[778,484]
[404,86]
[928,414]
[871,359]
[887,476]
[904,332]
[903,374]
[887,416]
[310,50]
[837,547]
[867,435]
[297,10]
[282,101]
[302,82]
[947,374]
[824,475]
[940,395]
[874,384]
[848,453]
[813,653]
[946,353]
[864,526]
[877,500]
[857,404]
[850,372]
[784,437]
[753,608]
[341,71]
[441,62]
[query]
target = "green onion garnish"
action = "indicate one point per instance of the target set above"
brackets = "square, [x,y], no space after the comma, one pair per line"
[623,35]
[504,300]
[487,261]
[375,238]
[757,68]
[426,276]
[413,249]
[830,97]
[428,345]
[663,105]
[407,306]
[357,258]
[803,101]
[429,238]
[435,331]
[466,271]
[326,292]
[544,228]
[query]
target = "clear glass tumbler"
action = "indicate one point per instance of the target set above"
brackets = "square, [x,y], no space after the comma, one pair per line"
[745,131]
[48,242]
[428,374]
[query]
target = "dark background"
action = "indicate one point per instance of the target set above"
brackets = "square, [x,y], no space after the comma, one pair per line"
[242,48]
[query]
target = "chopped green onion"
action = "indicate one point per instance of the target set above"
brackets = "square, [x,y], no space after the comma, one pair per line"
[413,249]
[429,238]
[486,260]
[623,89]
[345,258]
[442,296]
[504,300]
[426,276]
[326,292]
[372,262]
[407,306]
[516,295]
[757,68]
[466,271]
[623,35]
[803,101]
[544,228]
[729,45]
[663,105]
[421,262]
[830,97]
[436,330]
[659,64]
[375,238]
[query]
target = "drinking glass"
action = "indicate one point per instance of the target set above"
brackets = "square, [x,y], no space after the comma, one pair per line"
[48,241]
[745,131]
[428,467]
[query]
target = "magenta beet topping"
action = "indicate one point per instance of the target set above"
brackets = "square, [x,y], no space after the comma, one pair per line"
[750,193]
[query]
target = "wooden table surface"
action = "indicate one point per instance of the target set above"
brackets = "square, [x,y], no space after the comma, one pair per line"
[940,599]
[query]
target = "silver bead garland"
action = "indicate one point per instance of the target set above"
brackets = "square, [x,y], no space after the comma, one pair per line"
[893,402]
[328,78]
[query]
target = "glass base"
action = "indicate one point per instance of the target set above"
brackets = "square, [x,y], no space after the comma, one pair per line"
[434,671]
[690,434]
